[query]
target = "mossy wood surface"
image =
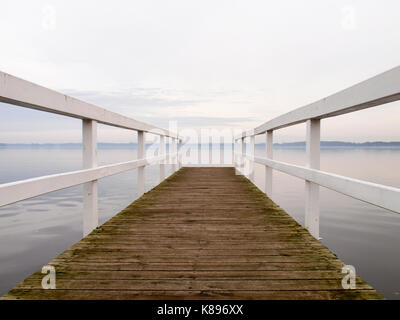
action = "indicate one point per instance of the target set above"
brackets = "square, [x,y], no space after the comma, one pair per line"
[204,233]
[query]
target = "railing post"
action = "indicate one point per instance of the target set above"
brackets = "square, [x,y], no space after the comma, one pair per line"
[199,149]
[173,154]
[221,150]
[312,189]
[233,145]
[141,170]
[269,146]
[162,153]
[242,155]
[235,156]
[210,149]
[179,153]
[90,192]
[251,160]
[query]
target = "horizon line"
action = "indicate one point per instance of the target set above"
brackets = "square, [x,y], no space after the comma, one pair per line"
[301,142]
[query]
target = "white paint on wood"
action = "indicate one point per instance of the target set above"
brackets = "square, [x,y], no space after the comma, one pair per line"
[236,155]
[199,150]
[210,161]
[233,151]
[381,89]
[376,194]
[173,152]
[250,153]
[221,150]
[179,154]
[242,155]
[162,153]
[269,146]
[141,150]
[90,189]
[312,190]
[23,93]
[313,140]
[20,190]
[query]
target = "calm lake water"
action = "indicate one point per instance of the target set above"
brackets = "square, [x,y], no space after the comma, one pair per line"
[34,231]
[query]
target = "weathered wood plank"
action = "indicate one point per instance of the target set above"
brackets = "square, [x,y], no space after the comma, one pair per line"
[215,274]
[204,233]
[198,284]
[209,266]
[191,294]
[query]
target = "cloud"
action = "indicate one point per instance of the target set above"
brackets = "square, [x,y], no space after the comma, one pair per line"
[154,98]
[207,121]
[159,106]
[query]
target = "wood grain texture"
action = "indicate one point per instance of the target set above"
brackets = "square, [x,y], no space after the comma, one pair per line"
[204,233]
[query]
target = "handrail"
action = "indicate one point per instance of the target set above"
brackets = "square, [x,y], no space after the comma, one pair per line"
[376,194]
[29,188]
[23,93]
[381,89]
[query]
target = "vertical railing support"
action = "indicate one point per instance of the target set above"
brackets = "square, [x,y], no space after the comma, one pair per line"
[242,155]
[269,146]
[173,152]
[199,149]
[90,189]
[179,153]
[235,155]
[141,170]
[221,150]
[210,149]
[312,189]
[162,153]
[251,159]
[233,146]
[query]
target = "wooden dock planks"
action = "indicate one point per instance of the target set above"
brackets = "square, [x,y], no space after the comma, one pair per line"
[204,233]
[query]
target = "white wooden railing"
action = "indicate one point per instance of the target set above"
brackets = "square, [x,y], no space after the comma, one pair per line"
[19,92]
[376,91]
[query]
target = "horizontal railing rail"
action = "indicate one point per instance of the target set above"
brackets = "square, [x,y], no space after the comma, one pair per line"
[25,189]
[381,89]
[26,94]
[16,91]
[377,194]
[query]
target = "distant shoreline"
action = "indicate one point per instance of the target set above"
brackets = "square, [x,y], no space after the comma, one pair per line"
[340,144]
[132,145]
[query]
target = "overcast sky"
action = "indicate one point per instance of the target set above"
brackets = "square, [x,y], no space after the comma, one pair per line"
[204,63]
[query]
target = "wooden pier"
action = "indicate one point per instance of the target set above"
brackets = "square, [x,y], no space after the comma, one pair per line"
[203,233]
